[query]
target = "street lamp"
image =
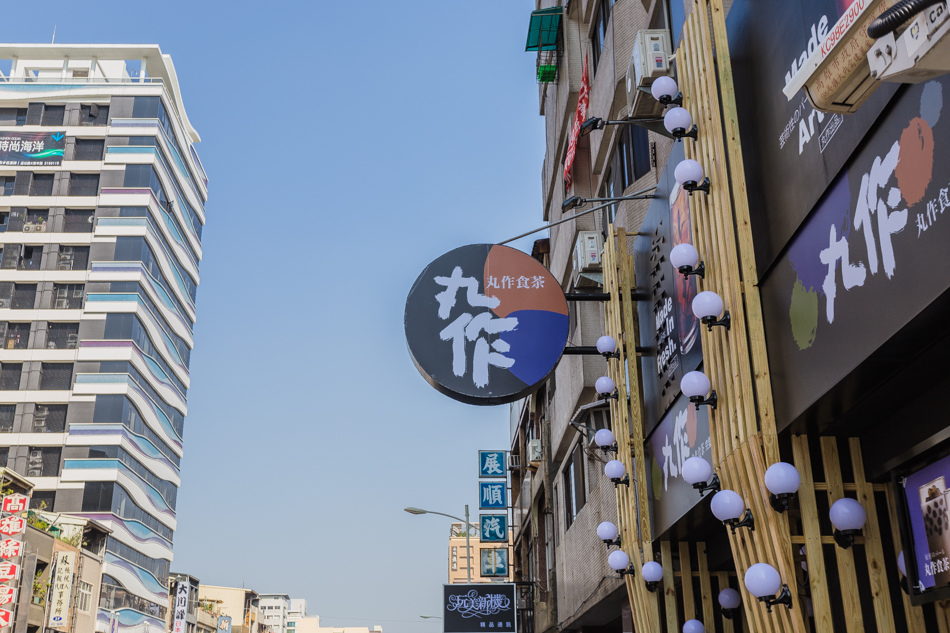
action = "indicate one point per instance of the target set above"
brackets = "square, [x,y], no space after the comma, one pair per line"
[468,541]
[431,617]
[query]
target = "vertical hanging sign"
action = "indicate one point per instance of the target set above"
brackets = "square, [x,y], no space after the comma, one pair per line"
[580,115]
[181,607]
[61,591]
[12,526]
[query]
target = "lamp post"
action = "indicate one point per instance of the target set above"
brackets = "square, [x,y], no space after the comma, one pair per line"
[468,546]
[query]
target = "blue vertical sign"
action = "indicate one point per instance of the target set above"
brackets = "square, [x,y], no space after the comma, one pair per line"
[492,495]
[491,464]
[493,528]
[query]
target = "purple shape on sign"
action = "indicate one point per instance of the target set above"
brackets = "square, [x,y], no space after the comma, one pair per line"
[535,343]
[834,209]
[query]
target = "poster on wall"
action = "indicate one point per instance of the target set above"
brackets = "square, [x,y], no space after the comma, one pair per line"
[878,235]
[927,503]
[798,150]
[36,149]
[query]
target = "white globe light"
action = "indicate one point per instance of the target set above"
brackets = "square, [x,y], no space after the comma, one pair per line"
[607,531]
[604,438]
[606,345]
[729,598]
[782,478]
[618,560]
[695,383]
[677,118]
[762,580]
[900,563]
[652,571]
[688,171]
[684,255]
[693,626]
[605,385]
[614,469]
[664,87]
[847,514]
[727,504]
[707,304]
[696,470]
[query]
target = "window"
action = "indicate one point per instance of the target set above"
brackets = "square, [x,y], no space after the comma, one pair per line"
[114,408]
[598,34]
[43,461]
[18,336]
[83,184]
[42,185]
[73,258]
[43,500]
[10,376]
[113,596]
[63,336]
[56,376]
[79,220]
[93,114]
[83,596]
[6,185]
[89,148]
[67,296]
[53,115]
[49,418]
[575,494]
[24,296]
[30,257]
[7,415]
[21,116]
[629,162]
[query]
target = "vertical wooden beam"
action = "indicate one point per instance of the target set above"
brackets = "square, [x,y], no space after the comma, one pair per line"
[669,589]
[727,626]
[705,586]
[814,556]
[873,547]
[686,571]
[847,576]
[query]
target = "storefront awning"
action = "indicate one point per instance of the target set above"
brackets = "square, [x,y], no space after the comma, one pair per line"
[543,29]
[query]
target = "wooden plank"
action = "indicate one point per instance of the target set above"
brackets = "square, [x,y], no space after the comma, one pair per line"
[689,602]
[727,626]
[914,615]
[669,589]
[873,548]
[943,617]
[705,584]
[817,580]
[847,576]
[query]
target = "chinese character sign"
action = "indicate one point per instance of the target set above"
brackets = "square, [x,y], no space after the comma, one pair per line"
[10,548]
[491,464]
[7,595]
[12,525]
[32,148]
[16,503]
[495,562]
[61,591]
[486,324]
[224,624]
[180,612]
[8,571]
[493,528]
[479,607]
[492,495]
[6,618]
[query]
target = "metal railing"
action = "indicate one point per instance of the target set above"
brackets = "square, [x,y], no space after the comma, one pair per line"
[81,80]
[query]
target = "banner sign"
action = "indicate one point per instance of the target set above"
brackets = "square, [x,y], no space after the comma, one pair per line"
[476,608]
[7,595]
[486,324]
[798,150]
[927,502]
[580,115]
[492,495]
[32,148]
[878,236]
[683,433]
[61,591]
[667,322]
[179,623]
[491,464]
[494,562]
[10,549]
[493,528]
[224,624]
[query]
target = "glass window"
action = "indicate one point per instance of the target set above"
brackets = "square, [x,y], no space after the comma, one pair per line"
[575,494]
[56,376]
[83,596]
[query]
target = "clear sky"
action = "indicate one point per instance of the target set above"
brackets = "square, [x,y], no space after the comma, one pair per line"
[348,144]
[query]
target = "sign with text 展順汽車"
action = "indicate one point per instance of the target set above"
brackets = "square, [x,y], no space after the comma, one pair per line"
[494,562]
[475,608]
[493,528]
[32,148]
[486,324]
[492,495]
[491,464]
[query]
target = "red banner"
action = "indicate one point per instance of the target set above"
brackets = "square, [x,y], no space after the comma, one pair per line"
[580,115]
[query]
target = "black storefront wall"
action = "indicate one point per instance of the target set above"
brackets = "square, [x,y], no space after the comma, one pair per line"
[792,151]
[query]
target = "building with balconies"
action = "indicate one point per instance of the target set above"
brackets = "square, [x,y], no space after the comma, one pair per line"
[101,212]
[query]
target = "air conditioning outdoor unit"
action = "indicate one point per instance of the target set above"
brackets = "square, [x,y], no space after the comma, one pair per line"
[836,76]
[61,304]
[649,60]
[587,251]
[39,422]
[534,451]
[34,472]
[72,341]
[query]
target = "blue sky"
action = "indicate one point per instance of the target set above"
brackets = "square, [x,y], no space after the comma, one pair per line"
[348,144]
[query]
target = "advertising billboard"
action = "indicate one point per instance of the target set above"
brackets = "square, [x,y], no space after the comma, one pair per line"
[927,495]
[477,607]
[36,149]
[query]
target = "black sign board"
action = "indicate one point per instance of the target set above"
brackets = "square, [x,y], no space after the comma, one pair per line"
[667,323]
[792,150]
[479,608]
[870,257]
[32,148]
[486,324]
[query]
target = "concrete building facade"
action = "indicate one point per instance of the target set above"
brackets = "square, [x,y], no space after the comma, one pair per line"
[101,214]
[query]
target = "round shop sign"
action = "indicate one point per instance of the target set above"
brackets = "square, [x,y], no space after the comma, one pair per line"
[486,324]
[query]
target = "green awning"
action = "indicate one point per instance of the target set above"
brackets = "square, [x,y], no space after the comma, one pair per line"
[543,29]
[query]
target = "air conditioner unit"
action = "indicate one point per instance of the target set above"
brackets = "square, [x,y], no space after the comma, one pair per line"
[920,52]
[514,462]
[587,251]
[61,304]
[836,76]
[28,228]
[72,341]
[649,60]
[534,450]
[65,261]
[34,472]
[39,422]
[36,457]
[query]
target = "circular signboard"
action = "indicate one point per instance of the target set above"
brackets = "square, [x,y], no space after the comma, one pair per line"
[486,324]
